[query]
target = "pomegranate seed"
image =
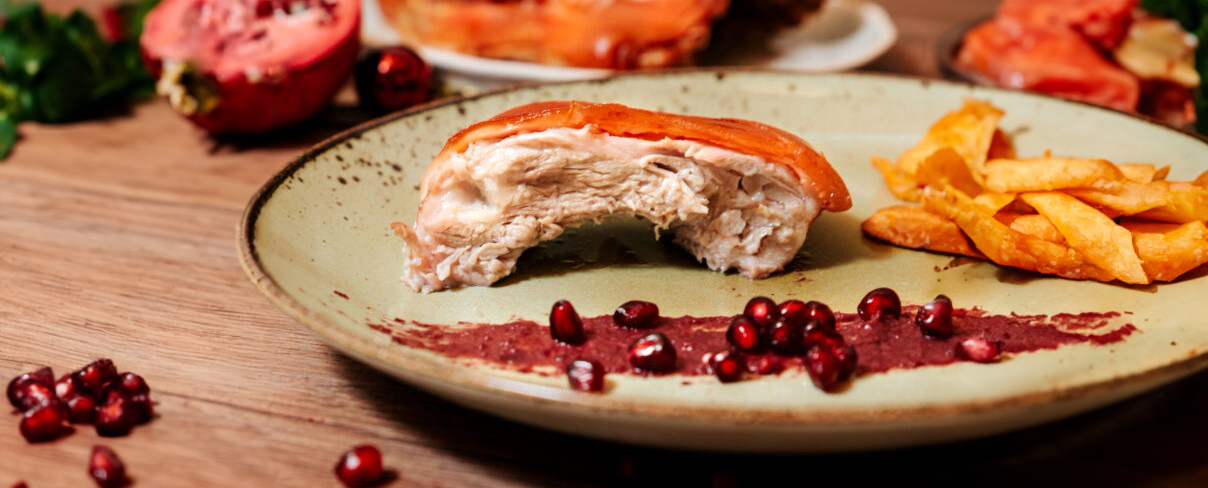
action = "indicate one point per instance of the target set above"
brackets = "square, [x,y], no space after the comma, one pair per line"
[96,375]
[935,318]
[728,366]
[45,421]
[392,78]
[362,466]
[979,350]
[20,484]
[825,368]
[106,468]
[847,360]
[762,310]
[19,393]
[793,311]
[82,407]
[117,413]
[133,384]
[817,335]
[33,394]
[744,335]
[67,385]
[586,375]
[636,314]
[820,312]
[652,353]
[565,325]
[763,365]
[879,304]
[786,338]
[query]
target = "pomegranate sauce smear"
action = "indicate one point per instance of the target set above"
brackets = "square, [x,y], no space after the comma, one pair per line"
[882,343]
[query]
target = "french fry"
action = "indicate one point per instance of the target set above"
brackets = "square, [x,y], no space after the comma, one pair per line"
[993,202]
[1186,203]
[1091,233]
[1047,174]
[969,131]
[1130,198]
[900,184]
[1161,173]
[916,228]
[1031,224]
[1201,180]
[1169,250]
[1139,172]
[945,165]
[1006,246]
[1001,147]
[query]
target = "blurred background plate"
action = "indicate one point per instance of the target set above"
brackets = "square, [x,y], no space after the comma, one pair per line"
[846,34]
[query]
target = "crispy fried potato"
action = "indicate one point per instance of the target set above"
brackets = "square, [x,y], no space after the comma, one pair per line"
[1001,146]
[1047,174]
[1006,246]
[1031,224]
[916,228]
[901,185]
[1186,203]
[969,131]
[1169,250]
[1130,198]
[1139,172]
[1161,173]
[1091,233]
[1201,180]
[993,202]
[945,165]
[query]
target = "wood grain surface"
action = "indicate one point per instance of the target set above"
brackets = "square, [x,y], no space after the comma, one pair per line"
[117,239]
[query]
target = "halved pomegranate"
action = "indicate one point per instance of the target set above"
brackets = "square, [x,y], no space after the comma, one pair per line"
[244,66]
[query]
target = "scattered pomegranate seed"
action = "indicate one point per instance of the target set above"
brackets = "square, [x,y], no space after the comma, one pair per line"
[817,335]
[744,335]
[565,325]
[935,318]
[878,304]
[117,414]
[20,484]
[68,385]
[824,368]
[392,78]
[133,384]
[636,314]
[82,407]
[20,394]
[139,393]
[362,466]
[820,312]
[106,468]
[653,353]
[979,350]
[96,374]
[762,310]
[586,375]
[727,365]
[764,365]
[45,421]
[34,393]
[786,338]
[793,311]
[847,361]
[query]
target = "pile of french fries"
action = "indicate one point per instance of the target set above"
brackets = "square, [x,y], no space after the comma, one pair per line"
[1078,218]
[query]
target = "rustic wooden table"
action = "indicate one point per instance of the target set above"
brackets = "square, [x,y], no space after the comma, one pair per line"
[117,239]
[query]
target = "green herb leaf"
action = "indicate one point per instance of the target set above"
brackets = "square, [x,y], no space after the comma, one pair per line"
[8,135]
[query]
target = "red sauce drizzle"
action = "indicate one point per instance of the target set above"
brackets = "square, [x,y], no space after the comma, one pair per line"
[526,346]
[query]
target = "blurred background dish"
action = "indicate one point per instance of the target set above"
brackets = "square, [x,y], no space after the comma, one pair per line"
[840,35]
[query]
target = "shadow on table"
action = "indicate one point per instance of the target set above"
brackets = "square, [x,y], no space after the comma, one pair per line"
[1154,440]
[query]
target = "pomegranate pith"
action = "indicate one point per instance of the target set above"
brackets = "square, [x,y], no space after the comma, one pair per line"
[636,314]
[361,466]
[106,468]
[761,310]
[652,353]
[744,335]
[565,325]
[935,318]
[45,421]
[585,375]
[881,303]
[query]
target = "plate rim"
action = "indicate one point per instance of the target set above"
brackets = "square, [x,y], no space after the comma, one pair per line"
[425,371]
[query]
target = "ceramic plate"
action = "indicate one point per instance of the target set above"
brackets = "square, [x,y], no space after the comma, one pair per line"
[845,35]
[319,232]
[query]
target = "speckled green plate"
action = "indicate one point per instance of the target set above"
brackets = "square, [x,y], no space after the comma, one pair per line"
[321,226]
